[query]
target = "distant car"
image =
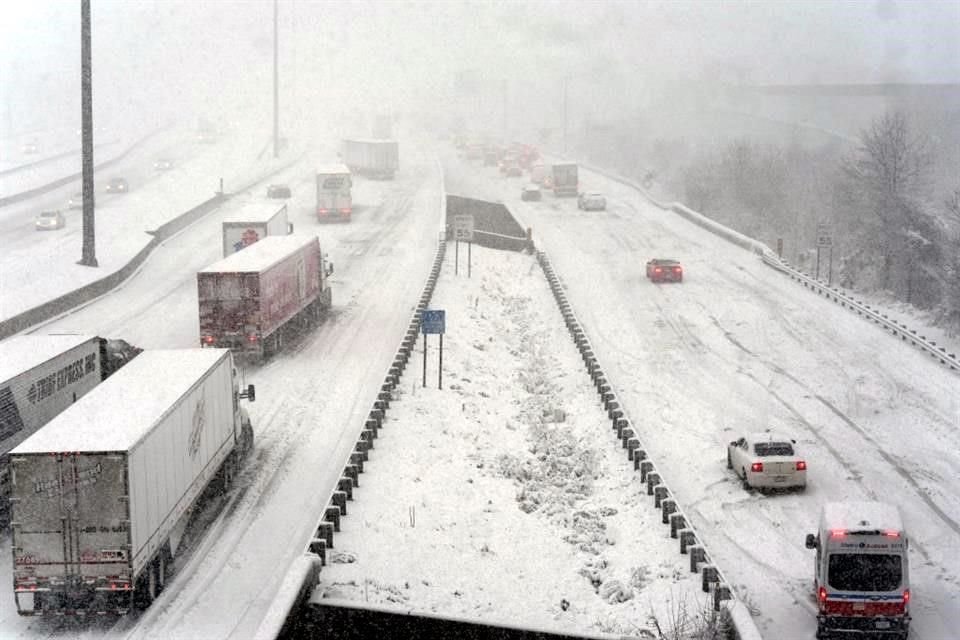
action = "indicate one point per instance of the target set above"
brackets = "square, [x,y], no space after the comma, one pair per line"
[531,192]
[278,191]
[664,270]
[589,201]
[118,185]
[767,461]
[30,147]
[163,164]
[513,171]
[75,201]
[48,220]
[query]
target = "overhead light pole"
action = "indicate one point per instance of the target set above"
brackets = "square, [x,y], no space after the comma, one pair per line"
[89,256]
[276,85]
[565,82]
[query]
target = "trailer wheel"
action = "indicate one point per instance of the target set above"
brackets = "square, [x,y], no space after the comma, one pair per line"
[146,589]
[164,565]
[153,589]
[246,432]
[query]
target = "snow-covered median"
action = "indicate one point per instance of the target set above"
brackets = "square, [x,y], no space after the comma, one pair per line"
[505,496]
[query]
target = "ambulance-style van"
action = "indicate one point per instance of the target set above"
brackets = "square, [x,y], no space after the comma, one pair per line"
[862,578]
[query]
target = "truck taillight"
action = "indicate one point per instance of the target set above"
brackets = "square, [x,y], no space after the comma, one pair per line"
[756,467]
[345,211]
[323,211]
[906,597]
[208,339]
[252,338]
[822,598]
[801,465]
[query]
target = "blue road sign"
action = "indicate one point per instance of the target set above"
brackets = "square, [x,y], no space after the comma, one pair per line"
[433,321]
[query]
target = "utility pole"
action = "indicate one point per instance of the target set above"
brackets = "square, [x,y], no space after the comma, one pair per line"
[565,79]
[276,85]
[89,256]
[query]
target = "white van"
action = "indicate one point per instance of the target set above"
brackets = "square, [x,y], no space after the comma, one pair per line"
[862,577]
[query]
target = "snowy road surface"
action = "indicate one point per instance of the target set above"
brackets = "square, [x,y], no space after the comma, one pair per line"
[739,348]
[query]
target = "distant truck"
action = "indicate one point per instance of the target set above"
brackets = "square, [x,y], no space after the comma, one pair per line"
[40,376]
[253,222]
[334,196]
[102,493]
[539,173]
[565,180]
[248,299]
[372,158]
[861,572]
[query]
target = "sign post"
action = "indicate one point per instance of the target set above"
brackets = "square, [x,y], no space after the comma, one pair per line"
[463,230]
[433,321]
[824,241]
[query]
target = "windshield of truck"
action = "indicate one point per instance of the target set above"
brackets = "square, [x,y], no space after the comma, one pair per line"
[773,449]
[865,572]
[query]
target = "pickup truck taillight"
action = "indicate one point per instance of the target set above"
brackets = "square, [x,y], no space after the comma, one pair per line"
[801,465]
[756,467]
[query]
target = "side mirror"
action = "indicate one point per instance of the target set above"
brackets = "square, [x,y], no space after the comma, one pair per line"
[734,443]
[812,541]
[329,268]
[250,394]
[289,228]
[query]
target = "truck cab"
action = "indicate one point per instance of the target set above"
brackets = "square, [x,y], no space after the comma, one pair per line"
[861,571]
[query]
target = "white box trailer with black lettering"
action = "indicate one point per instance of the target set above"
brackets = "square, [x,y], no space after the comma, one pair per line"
[102,492]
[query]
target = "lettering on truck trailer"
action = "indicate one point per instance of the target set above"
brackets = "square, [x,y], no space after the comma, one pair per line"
[69,374]
[53,487]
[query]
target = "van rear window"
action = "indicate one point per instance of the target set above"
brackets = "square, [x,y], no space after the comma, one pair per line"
[864,572]
[773,449]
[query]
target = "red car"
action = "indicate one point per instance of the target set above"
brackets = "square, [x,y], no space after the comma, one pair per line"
[664,270]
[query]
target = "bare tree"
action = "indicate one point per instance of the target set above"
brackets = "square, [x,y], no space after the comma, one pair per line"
[888,175]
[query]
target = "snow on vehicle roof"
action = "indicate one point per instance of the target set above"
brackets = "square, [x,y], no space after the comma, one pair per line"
[261,255]
[117,413]
[765,436]
[325,169]
[22,353]
[255,212]
[371,140]
[854,515]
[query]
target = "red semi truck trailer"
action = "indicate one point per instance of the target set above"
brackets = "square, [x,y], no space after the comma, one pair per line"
[248,299]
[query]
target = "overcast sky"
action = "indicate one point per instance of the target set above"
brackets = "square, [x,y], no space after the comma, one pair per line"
[184,56]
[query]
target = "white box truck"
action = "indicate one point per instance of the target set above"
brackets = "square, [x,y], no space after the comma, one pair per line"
[861,571]
[40,376]
[372,158]
[252,222]
[101,494]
